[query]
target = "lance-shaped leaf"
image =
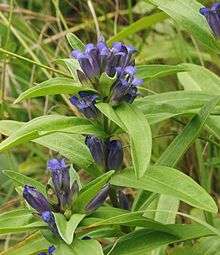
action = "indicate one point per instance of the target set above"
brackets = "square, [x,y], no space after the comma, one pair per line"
[71,146]
[52,86]
[66,228]
[139,134]
[168,181]
[186,13]
[75,42]
[48,124]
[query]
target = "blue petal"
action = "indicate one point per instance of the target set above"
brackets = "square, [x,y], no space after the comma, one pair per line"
[204,11]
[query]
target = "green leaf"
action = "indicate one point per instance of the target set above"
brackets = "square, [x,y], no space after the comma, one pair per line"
[88,192]
[22,180]
[19,221]
[182,142]
[48,124]
[141,241]
[139,25]
[80,247]
[168,181]
[150,72]
[110,113]
[199,78]
[105,84]
[66,228]
[31,245]
[75,42]
[186,13]
[71,146]
[139,134]
[52,86]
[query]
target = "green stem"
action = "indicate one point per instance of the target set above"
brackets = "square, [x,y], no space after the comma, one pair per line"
[34,62]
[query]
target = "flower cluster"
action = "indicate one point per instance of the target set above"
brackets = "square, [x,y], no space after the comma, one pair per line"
[107,154]
[64,192]
[115,62]
[51,251]
[212,16]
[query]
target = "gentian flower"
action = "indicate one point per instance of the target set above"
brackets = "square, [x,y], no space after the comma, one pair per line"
[98,200]
[51,251]
[38,201]
[116,61]
[61,182]
[123,201]
[107,154]
[114,155]
[48,217]
[85,103]
[97,148]
[35,199]
[125,87]
[212,16]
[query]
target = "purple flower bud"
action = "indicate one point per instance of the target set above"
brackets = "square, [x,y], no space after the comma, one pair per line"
[114,155]
[98,200]
[61,180]
[97,148]
[51,250]
[48,217]
[212,16]
[85,103]
[123,200]
[35,199]
[125,88]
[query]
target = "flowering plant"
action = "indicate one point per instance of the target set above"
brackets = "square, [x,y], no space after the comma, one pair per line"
[107,191]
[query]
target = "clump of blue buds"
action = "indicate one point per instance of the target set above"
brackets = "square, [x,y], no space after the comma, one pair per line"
[116,62]
[107,154]
[51,251]
[65,194]
[212,16]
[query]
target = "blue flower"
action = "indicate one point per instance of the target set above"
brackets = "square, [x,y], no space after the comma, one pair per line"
[48,217]
[125,87]
[61,181]
[85,103]
[51,251]
[212,16]
[98,200]
[107,154]
[35,199]
[114,157]
[123,200]
[97,148]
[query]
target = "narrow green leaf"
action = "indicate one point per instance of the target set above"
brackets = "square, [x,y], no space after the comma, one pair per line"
[88,192]
[139,134]
[80,247]
[199,78]
[48,124]
[150,72]
[186,13]
[52,86]
[168,181]
[75,42]
[67,228]
[141,241]
[139,25]
[110,113]
[19,221]
[22,180]
[33,244]
[71,146]
[182,142]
